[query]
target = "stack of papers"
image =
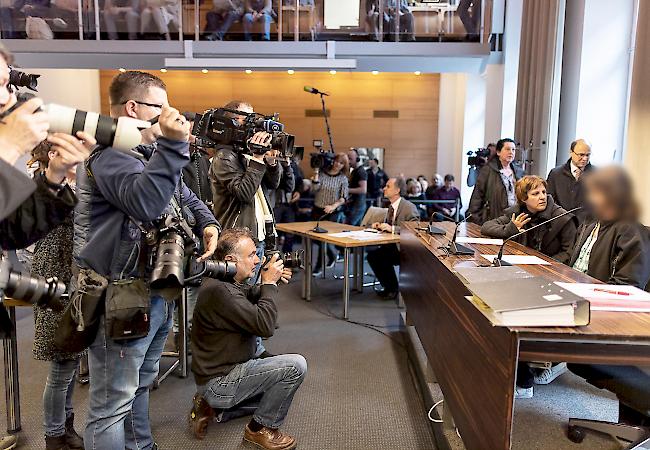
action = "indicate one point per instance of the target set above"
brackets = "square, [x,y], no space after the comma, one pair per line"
[519,259]
[474,240]
[611,297]
[358,235]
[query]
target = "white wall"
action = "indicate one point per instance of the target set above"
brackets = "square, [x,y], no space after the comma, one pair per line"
[512,38]
[494,78]
[77,88]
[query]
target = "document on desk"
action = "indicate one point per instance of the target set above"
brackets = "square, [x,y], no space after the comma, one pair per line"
[611,297]
[519,259]
[358,235]
[486,274]
[475,240]
[531,302]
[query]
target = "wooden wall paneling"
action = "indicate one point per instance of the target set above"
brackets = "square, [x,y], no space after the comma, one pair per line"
[410,140]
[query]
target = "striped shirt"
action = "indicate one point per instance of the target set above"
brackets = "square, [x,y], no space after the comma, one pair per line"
[330,189]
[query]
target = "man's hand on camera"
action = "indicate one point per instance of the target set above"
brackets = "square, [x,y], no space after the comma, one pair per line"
[70,151]
[173,125]
[286,275]
[260,139]
[210,238]
[22,130]
[273,270]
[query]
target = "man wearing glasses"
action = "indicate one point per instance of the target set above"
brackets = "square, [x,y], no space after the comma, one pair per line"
[565,181]
[118,194]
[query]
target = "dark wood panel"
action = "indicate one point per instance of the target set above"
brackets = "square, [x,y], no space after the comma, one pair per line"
[585,353]
[474,362]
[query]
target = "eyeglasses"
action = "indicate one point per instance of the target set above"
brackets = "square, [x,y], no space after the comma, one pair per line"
[582,155]
[151,105]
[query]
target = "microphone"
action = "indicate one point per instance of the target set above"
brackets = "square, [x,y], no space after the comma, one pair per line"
[318,228]
[313,90]
[498,261]
[459,249]
[433,230]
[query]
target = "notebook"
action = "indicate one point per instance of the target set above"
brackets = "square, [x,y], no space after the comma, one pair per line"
[531,302]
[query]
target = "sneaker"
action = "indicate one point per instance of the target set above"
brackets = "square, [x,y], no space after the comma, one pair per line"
[270,439]
[523,392]
[8,442]
[317,273]
[331,264]
[547,376]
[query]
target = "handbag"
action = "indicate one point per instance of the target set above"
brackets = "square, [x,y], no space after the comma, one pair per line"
[78,327]
[128,306]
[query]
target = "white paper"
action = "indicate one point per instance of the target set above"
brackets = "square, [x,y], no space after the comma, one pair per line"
[475,240]
[606,291]
[519,259]
[357,235]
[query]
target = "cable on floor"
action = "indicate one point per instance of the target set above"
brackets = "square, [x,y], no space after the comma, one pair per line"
[432,409]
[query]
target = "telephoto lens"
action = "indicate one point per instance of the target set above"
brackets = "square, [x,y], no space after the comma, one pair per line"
[220,270]
[169,270]
[43,292]
[294,260]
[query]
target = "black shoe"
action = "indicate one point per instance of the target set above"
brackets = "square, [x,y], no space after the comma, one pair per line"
[387,294]
[72,439]
[331,264]
[317,272]
[56,443]
[266,354]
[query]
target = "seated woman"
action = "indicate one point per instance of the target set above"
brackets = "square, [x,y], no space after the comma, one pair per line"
[533,207]
[555,239]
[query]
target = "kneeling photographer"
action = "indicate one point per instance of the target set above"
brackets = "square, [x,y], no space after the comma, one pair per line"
[132,227]
[231,380]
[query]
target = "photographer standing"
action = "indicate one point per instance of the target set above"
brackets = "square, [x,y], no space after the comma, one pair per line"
[29,209]
[119,195]
[229,376]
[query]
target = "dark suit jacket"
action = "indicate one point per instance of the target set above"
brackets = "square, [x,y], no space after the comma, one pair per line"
[406,212]
[566,191]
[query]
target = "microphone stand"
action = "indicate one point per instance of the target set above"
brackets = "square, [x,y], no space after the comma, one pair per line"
[327,122]
[433,230]
[318,228]
[459,249]
[499,262]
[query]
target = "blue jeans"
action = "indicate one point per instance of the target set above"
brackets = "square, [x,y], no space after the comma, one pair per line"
[218,23]
[120,373]
[57,396]
[356,211]
[248,26]
[277,379]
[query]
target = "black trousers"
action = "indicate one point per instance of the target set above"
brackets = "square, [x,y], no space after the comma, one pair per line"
[383,261]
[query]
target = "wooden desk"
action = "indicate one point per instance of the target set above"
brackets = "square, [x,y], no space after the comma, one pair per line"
[303,229]
[475,362]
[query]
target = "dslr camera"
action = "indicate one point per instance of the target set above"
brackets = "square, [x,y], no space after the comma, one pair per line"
[176,253]
[40,291]
[291,260]
[220,127]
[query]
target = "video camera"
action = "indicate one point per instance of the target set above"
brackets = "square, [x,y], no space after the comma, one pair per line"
[40,291]
[291,260]
[322,160]
[220,127]
[176,253]
[476,159]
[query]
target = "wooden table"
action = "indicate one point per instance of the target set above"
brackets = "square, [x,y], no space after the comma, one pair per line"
[304,230]
[475,362]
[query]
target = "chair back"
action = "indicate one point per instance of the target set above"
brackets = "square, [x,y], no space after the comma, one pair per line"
[374,214]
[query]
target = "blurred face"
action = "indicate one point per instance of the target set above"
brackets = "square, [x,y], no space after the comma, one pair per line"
[391,190]
[337,166]
[581,154]
[507,154]
[423,183]
[599,205]
[416,189]
[437,180]
[245,259]
[7,99]
[536,201]
[352,156]
[449,184]
[372,163]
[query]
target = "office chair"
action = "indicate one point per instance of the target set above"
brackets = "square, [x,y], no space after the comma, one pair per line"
[374,214]
[631,385]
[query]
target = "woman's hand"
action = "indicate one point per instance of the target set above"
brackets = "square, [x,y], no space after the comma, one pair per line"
[521,220]
[329,209]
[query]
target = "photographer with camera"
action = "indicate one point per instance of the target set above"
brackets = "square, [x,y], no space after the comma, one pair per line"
[29,209]
[231,380]
[124,224]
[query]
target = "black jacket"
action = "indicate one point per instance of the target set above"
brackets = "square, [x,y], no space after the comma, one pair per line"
[620,255]
[227,320]
[286,186]
[489,197]
[567,192]
[555,239]
[234,184]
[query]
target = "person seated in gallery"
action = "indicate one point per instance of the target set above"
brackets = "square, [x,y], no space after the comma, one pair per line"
[533,207]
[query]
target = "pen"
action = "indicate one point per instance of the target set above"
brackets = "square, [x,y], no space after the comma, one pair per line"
[608,291]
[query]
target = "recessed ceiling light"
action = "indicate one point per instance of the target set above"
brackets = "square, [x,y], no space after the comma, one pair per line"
[122,69]
[332,72]
[248,71]
[291,71]
[163,70]
[375,72]
[417,72]
[204,70]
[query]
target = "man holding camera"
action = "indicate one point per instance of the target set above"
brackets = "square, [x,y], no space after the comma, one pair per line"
[230,378]
[121,199]
[29,209]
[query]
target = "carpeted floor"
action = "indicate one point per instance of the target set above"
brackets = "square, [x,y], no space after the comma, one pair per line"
[358,393]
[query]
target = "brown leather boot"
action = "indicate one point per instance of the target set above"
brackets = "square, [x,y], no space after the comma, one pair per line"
[200,416]
[270,439]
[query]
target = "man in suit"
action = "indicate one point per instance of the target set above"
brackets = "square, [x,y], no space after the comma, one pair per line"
[384,258]
[565,181]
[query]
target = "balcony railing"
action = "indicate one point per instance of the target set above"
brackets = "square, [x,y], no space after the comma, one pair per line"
[228,20]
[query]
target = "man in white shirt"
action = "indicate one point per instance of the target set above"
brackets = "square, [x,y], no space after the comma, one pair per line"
[384,258]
